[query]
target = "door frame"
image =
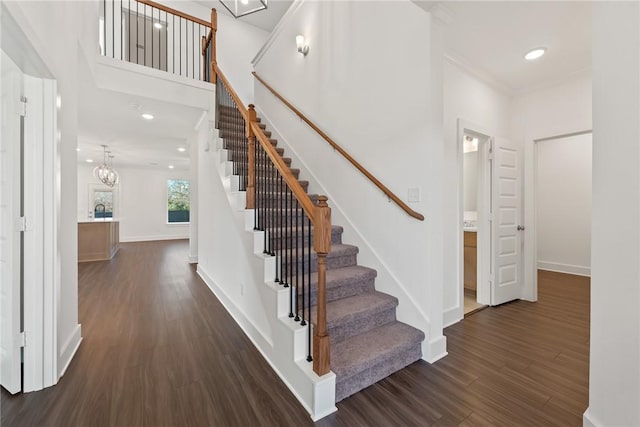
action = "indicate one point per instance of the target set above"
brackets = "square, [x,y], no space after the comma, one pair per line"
[484,204]
[530,183]
[42,165]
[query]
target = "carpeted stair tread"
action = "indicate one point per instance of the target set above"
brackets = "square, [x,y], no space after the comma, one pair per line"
[348,309]
[364,351]
[344,282]
[350,316]
[339,256]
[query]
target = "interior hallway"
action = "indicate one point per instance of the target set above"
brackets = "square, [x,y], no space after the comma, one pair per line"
[159,349]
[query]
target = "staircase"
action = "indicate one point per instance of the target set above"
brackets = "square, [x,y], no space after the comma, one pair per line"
[368,343]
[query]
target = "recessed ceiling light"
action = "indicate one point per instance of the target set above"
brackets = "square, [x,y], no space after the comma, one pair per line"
[244,1]
[535,53]
[171,166]
[158,25]
[182,149]
[58,102]
[77,149]
[89,160]
[147,116]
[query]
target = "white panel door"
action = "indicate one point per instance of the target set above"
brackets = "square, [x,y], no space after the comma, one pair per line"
[506,209]
[10,246]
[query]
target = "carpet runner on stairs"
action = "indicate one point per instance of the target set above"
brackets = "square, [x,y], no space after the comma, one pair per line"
[368,343]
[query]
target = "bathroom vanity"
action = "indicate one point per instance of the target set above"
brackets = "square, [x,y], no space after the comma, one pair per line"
[470,260]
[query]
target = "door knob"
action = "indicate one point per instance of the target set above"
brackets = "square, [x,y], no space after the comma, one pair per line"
[521,228]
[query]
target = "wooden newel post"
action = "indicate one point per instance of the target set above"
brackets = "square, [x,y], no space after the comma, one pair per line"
[214,30]
[322,246]
[251,139]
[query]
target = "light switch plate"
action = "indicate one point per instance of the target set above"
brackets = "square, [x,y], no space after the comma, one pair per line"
[413,194]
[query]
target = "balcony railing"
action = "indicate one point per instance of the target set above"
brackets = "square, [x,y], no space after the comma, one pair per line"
[147,33]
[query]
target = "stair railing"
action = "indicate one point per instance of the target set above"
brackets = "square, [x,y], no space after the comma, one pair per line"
[296,231]
[148,33]
[344,153]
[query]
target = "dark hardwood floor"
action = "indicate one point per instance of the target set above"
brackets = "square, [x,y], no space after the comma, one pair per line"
[159,349]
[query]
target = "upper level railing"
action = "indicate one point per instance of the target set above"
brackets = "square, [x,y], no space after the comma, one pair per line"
[344,153]
[151,34]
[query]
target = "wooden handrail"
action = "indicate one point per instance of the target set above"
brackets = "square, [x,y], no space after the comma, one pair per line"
[346,155]
[234,95]
[175,12]
[283,169]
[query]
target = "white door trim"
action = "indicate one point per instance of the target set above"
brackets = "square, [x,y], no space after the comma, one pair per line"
[483,288]
[43,168]
[530,249]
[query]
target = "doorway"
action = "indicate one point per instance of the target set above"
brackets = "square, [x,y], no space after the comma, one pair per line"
[558,199]
[475,229]
[491,219]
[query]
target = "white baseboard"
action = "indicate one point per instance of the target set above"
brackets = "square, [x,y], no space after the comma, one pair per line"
[319,407]
[69,349]
[193,259]
[578,270]
[129,239]
[588,420]
[451,315]
[435,349]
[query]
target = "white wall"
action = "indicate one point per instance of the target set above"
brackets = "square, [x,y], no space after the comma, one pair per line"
[344,85]
[564,204]
[238,42]
[142,202]
[41,20]
[614,371]
[486,109]
[555,110]
[470,181]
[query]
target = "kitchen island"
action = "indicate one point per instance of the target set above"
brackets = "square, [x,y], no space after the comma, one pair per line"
[98,240]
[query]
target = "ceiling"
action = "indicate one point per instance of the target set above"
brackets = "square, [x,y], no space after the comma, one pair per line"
[264,19]
[486,38]
[491,38]
[114,119]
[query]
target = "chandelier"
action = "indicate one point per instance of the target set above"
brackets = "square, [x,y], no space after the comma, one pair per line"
[240,8]
[105,172]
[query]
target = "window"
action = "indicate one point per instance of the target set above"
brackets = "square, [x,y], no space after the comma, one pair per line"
[102,204]
[177,201]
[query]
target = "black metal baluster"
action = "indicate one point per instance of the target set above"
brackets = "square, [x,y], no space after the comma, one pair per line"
[193,59]
[285,249]
[173,42]
[281,226]
[291,249]
[121,33]
[104,27]
[153,65]
[137,32]
[276,223]
[129,31]
[295,245]
[255,173]
[309,243]
[302,276]
[113,29]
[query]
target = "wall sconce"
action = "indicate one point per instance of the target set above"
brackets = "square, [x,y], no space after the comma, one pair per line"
[302,47]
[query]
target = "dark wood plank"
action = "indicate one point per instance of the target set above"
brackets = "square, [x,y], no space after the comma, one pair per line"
[160,350]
